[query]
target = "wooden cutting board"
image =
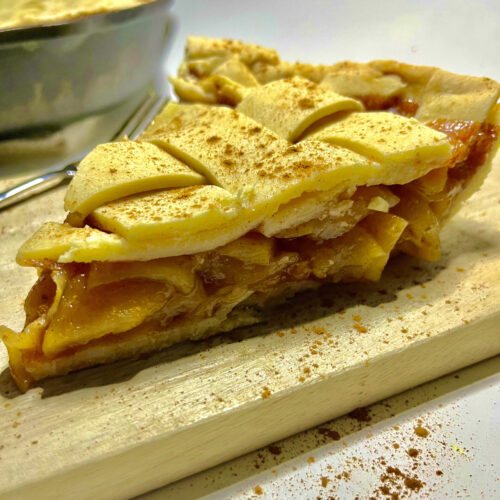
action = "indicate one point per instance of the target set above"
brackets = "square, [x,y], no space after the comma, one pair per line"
[120,430]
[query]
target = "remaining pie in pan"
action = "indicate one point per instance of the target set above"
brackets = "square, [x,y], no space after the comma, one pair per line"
[277,177]
[24,13]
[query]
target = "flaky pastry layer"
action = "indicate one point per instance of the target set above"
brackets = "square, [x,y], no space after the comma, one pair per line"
[276,177]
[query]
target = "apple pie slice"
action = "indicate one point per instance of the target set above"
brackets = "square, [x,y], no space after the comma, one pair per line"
[274,178]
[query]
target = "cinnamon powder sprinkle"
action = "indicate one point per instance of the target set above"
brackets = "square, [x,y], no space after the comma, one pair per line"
[421,431]
[319,330]
[275,450]
[306,103]
[265,393]
[332,434]
[360,414]
[412,483]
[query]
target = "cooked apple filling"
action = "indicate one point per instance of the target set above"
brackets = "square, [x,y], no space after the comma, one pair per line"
[311,175]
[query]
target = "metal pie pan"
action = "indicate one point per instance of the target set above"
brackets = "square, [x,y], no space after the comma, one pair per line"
[53,74]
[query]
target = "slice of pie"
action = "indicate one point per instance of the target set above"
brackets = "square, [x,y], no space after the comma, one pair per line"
[275,178]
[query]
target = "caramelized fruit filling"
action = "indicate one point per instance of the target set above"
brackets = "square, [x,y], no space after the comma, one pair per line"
[351,245]
[256,265]
[396,104]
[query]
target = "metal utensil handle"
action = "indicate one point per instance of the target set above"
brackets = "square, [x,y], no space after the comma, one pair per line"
[35,186]
[141,116]
[132,128]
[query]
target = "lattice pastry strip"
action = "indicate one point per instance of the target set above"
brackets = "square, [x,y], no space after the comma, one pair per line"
[280,176]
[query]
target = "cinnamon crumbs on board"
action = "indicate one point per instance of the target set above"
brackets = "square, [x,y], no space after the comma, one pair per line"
[421,431]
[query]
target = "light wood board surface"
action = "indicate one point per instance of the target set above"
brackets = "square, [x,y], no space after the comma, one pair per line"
[357,454]
[123,429]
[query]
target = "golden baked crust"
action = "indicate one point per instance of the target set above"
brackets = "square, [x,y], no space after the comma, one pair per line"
[22,13]
[429,93]
[277,178]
